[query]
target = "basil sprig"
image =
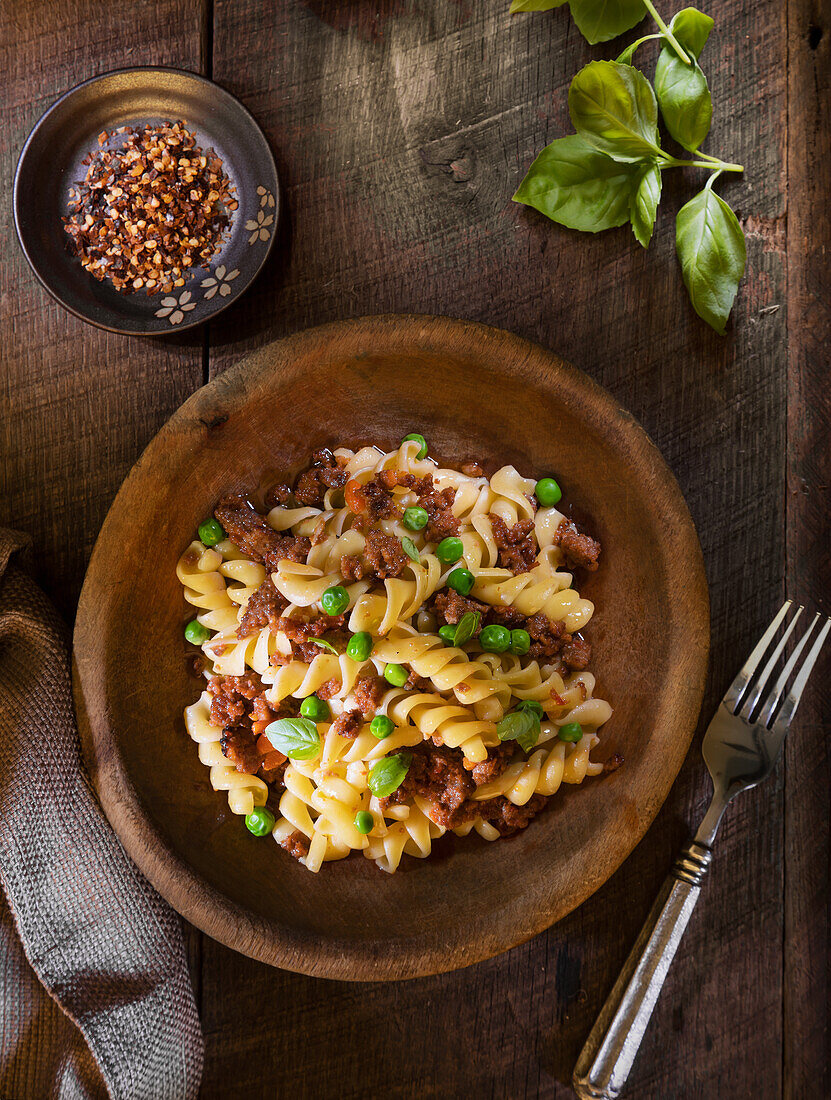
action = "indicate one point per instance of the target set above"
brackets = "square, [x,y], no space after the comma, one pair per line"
[389,773]
[297,738]
[522,726]
[610,171]
[325,645]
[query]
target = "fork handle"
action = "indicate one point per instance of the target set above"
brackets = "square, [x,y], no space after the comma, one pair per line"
[610,1049]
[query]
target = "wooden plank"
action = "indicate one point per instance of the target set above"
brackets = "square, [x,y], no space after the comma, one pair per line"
[77,405]
[808,776]
[400,132]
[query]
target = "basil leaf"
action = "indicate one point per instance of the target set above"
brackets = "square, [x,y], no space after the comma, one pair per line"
[600,20]
[684,99]
[711,247]
[535,5]
[526,741]
[522,726]
[692,29]
[296,737]
[645,204]
[575,185]
[614,109]
[388,774]
[410,549]
[466,627]
[325,645]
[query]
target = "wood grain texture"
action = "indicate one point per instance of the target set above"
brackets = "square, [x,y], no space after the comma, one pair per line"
[401,128]
[76,405]
[807,961]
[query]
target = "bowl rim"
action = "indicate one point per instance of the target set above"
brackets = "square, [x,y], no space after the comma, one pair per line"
[18,201]
[344,959]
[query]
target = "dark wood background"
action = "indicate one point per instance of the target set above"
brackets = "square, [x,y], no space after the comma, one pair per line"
[401,129]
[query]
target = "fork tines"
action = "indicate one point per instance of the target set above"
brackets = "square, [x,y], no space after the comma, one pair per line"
[748,690]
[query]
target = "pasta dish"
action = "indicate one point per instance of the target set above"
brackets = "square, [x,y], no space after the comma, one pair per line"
[392,651]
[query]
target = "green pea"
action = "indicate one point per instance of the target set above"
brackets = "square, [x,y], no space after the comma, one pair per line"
[520,642]
[335,601]
[461,581]
[447,633]
[314,708]
[571,731]
[495,639]
[197,633]
[359,646]
[381,726]
[548,492]
[533,706]
[449,550]
[422,450]
[396,675]
[260,821]
[415,518]
[364,821]
[211,532]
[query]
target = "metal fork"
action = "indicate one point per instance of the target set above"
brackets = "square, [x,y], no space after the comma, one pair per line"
[740,748]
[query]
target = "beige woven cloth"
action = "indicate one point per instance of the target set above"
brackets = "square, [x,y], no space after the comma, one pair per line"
[95,996]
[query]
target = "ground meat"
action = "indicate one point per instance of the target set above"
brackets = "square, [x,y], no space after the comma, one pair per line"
[264,608]
[351,568]
[277,494]
[239,747]
[251,533]
[231,697]
[613,763]
[300,633]
[379,499]
[547,637]
[329,689]
[507,818]
[348,724]
[368,693]
[438,774]
[449,607]
[576,653]
[496,763]
[506,616]
[324,473]
[581,551]
[472,469]
[275,777]
[296,844]
[385,555]
[517,546]
[414,682]
[438,506]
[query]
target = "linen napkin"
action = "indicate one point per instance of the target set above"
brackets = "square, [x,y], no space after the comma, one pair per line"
[95,996]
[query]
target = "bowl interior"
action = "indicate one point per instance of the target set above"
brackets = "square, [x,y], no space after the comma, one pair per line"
[51,163]
[474,393]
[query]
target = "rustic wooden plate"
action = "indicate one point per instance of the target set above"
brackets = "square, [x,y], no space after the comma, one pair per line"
[473,392]
[51,163]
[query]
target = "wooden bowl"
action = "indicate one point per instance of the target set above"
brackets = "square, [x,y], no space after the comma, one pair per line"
[474,392]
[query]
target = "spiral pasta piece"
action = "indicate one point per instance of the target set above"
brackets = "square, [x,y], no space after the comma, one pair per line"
[402,597]
[244,791]
[448,668]
[533,592]
[453,725]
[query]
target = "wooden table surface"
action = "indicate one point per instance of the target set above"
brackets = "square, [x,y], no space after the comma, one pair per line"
[401,128]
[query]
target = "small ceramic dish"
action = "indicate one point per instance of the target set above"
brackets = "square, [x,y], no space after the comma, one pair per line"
[51,163]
